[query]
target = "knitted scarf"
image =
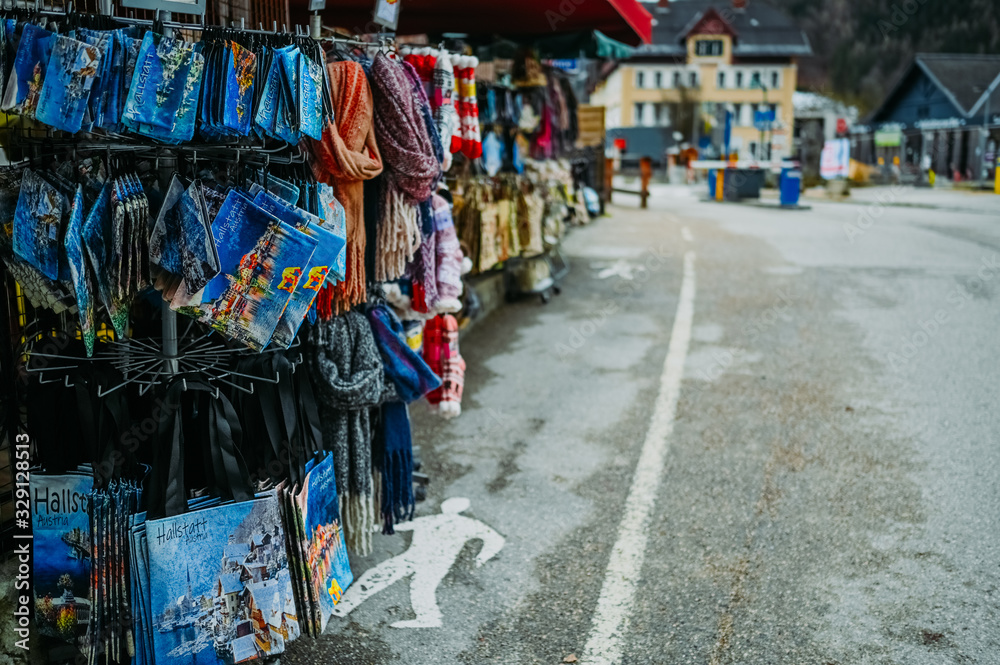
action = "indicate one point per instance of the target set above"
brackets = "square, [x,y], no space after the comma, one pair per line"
[349,380]
[404,367]
[412,168]
[424,105]
[345,157]
[397,466]
[402,136]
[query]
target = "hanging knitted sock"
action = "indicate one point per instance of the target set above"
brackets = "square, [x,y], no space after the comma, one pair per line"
[453,369]
[442,101]
[468,109]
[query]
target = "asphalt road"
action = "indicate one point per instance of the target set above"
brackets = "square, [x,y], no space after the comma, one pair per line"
[831,487]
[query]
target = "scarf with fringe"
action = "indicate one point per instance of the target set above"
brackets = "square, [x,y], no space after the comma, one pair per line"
[413,167]
[412,378]
[349,379]
[345,157]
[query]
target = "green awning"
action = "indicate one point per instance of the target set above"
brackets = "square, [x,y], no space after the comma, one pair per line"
[590,44]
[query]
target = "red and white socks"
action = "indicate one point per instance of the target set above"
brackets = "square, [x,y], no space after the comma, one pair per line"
[468,106]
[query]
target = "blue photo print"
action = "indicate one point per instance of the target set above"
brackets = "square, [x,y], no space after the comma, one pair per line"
[241,67]
[334,218]
[38,221]
[160,86]
[261,261]
[220,588]
[310,97]
[61,563]
[28,75]
[314,275]
[323,550]
[66,91]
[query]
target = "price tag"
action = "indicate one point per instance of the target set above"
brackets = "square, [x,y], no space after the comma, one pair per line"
[387,13]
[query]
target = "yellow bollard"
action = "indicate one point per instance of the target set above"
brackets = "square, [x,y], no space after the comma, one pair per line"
[930,176]
[720,177]
[996,185]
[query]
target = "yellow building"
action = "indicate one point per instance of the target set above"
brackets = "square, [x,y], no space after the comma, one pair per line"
[708,57]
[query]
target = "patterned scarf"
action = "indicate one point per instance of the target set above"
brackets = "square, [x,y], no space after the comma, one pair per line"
[402,135]
[412,165]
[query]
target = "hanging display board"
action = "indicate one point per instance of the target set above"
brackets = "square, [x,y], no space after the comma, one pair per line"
[387,13]
[591,122]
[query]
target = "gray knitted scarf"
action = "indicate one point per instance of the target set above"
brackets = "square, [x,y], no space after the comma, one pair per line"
[347,371]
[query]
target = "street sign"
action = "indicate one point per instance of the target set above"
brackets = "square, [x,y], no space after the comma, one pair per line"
[888,138]
[763,119]
[569,65]
[841,126]
[620,143]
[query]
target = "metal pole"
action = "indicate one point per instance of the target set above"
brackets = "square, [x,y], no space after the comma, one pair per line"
[760,146]
[984,134]
[168,316]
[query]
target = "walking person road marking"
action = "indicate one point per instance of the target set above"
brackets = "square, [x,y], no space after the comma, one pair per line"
[437,541]
[614,605]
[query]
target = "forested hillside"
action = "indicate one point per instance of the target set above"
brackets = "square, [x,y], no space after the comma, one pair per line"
[860,45]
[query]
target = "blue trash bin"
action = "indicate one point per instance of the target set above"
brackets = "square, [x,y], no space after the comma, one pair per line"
[711,184]
[789,186]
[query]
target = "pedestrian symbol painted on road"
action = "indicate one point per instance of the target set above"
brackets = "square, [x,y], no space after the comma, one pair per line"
[437,541]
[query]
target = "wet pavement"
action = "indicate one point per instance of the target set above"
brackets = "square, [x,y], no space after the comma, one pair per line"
[830,489]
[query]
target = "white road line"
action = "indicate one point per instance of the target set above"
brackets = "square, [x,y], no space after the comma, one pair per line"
[614,606]
[686,234]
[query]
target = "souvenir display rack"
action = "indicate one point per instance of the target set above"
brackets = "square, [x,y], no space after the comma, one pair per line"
[267,416]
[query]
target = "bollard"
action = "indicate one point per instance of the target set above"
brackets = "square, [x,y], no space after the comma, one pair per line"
[609,176]
[996,184]
[645,173]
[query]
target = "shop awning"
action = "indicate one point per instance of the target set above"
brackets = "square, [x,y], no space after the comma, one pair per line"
[623,20]
[591,44]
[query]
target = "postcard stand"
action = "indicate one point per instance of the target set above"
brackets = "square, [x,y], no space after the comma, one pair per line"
[141,363]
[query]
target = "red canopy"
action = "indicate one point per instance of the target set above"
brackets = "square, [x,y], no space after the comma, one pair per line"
[624,20]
